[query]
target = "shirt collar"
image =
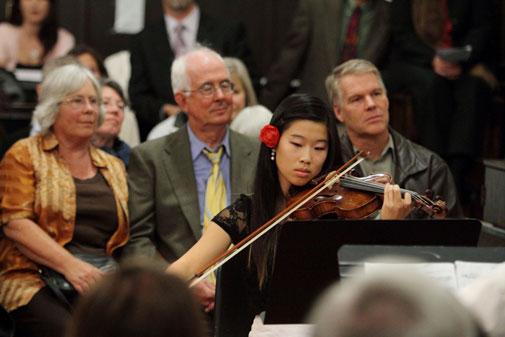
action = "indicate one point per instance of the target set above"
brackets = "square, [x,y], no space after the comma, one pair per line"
[190,22]
[389,146]
[49,141]
[197,145]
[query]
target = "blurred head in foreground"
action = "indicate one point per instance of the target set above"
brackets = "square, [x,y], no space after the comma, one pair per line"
[138,301]
[393,301]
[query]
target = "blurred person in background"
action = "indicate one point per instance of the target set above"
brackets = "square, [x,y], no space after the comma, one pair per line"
[442,53]
[32,36]
[106,136]
[243,90]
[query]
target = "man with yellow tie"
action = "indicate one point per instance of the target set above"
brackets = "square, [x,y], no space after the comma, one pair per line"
[179,182]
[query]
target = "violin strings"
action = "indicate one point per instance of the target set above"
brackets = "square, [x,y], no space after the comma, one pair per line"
[354,182]
[379,188]
[374,186]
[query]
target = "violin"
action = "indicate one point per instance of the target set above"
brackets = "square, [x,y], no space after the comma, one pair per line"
[358,198]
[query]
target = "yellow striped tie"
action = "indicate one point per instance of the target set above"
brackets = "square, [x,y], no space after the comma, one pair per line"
[215,193]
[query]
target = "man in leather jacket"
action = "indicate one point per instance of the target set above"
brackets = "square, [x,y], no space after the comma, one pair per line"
[359,100]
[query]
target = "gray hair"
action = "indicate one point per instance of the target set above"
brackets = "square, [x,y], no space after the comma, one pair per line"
[179,75]
[237,67]
[351,67]
[393,301]
[56,86]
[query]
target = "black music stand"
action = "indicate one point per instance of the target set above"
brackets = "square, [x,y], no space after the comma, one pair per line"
[306,261]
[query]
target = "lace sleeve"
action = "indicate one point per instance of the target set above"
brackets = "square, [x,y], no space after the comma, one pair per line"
[235,218]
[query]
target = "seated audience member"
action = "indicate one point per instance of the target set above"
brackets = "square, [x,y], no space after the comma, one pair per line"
[90,59]
[59,195]
[138,301]
[450,92]
[243,96]
[393,301]
[106,136]
[182,27]
[108,131]
[177,183]
[31,37]
[324,34]
[360,102]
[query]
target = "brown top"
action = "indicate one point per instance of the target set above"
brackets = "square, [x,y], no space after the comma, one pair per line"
[96,218]
[36,184]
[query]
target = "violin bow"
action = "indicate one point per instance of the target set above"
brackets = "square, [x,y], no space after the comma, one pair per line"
[328,182]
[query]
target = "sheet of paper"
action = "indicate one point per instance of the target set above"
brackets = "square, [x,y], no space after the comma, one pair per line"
[129,16]
[443,272]
[466,272]
[258,329]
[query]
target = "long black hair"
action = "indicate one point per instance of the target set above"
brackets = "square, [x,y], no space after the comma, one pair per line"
[48,33]
[268,197]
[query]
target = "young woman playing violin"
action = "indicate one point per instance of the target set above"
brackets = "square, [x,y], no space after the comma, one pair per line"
[300,143]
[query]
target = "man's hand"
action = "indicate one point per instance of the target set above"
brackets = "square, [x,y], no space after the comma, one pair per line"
[171,110]
[394,206]
[205,292]
[450,70]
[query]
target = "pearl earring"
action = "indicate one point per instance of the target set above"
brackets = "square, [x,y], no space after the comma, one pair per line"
[272,155]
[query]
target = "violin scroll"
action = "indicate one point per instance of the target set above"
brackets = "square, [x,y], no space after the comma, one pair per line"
[435,209]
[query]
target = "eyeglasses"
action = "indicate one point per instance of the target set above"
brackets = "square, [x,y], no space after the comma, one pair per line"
[79,102]
[120,105]
[209,90]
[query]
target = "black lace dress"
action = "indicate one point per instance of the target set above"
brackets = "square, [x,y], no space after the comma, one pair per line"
[235,220]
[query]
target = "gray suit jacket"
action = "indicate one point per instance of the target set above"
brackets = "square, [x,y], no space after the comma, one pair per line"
[310,51]
[163,201]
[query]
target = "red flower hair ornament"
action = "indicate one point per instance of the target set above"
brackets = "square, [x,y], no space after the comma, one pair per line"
[269,135]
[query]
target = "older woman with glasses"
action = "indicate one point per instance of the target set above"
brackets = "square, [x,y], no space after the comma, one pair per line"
[59,196]
[106,136]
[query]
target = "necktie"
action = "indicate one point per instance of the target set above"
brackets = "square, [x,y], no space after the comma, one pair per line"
[215,193]
[179,45]
[351,36]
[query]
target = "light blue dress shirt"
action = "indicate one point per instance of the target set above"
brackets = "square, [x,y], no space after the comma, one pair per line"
[203,166]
